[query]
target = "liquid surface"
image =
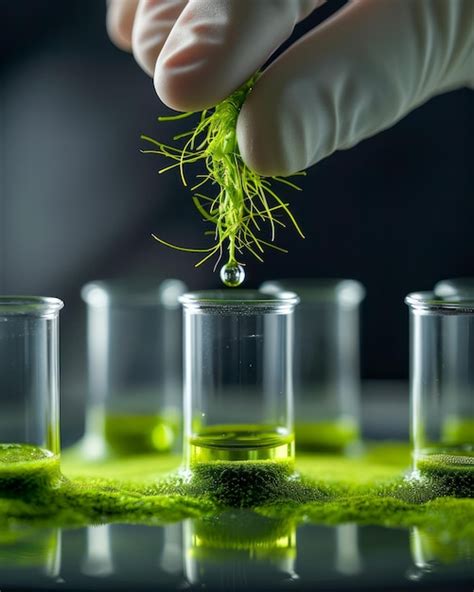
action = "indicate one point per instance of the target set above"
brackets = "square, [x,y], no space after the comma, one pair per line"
[241,442]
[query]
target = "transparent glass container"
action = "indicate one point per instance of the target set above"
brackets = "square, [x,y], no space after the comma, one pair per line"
[442,390]
[29,393]
[134,343]
[238,392]
[327,362]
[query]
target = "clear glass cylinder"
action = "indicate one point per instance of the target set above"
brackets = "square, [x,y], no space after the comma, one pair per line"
[442,389]
[238,394]
[327,361]
[134,343]
[29,392]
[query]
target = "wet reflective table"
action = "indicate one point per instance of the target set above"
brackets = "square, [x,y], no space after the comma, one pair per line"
[237,550]
[180,556]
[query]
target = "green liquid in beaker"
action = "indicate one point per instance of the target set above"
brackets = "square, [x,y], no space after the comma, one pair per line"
[451,472]
[457,431]
[26,468]
[326,436]
[140,434]
[241,442]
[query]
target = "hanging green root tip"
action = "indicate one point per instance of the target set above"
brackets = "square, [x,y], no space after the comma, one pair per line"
[245,201]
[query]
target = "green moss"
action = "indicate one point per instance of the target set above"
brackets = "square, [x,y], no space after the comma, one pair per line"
[27,469]
[326,436]
[128,435]
[330,489]
[447,474]
[247,483]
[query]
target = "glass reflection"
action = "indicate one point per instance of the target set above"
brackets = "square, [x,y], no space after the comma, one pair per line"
[239,549]
[29,554]
[123,552]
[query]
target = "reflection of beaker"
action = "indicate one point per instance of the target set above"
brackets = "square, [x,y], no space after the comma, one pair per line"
[133,553]
[432,549]
[98,562]
[239,550]
[29,554]
[29,393]
[442,391]
[327,372]
[238,396]
[348,559]
[134,357]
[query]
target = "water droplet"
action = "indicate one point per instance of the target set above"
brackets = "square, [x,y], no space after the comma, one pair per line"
[232,274]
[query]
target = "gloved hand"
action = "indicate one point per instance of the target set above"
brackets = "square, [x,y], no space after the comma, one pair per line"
[356,74]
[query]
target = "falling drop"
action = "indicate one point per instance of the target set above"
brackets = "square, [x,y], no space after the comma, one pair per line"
[232,274]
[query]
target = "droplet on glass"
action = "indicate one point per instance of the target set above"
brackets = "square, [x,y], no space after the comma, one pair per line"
[232,274]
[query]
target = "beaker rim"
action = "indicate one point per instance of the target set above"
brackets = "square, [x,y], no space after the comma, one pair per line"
[430,302]
[138,291]
[340,290]
[240,300]
[36,306]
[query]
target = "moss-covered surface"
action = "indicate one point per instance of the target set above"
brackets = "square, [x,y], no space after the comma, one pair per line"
[27,469]
[451,475]
[370,489]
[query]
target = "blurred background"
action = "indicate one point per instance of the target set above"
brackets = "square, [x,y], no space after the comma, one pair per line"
[79,202]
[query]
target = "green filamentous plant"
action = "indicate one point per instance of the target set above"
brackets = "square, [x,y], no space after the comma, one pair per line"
[243,202]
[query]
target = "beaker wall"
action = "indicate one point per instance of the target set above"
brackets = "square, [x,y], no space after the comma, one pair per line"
[238,401]
[134,336]
[29,392]
[442,388]
[327,361]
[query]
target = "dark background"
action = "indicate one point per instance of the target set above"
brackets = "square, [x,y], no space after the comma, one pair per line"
[78,201]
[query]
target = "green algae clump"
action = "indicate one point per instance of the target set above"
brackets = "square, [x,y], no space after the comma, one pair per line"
[245,484]
[27,469]
[446,474]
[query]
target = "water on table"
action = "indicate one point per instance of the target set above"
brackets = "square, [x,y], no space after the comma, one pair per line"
[238,550]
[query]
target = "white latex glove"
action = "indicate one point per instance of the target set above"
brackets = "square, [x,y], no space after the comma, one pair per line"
[356,74]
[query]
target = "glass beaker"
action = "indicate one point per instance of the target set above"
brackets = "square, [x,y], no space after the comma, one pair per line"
[327,361]
[238,392]
[134,342]
[29,393]
[442,390]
